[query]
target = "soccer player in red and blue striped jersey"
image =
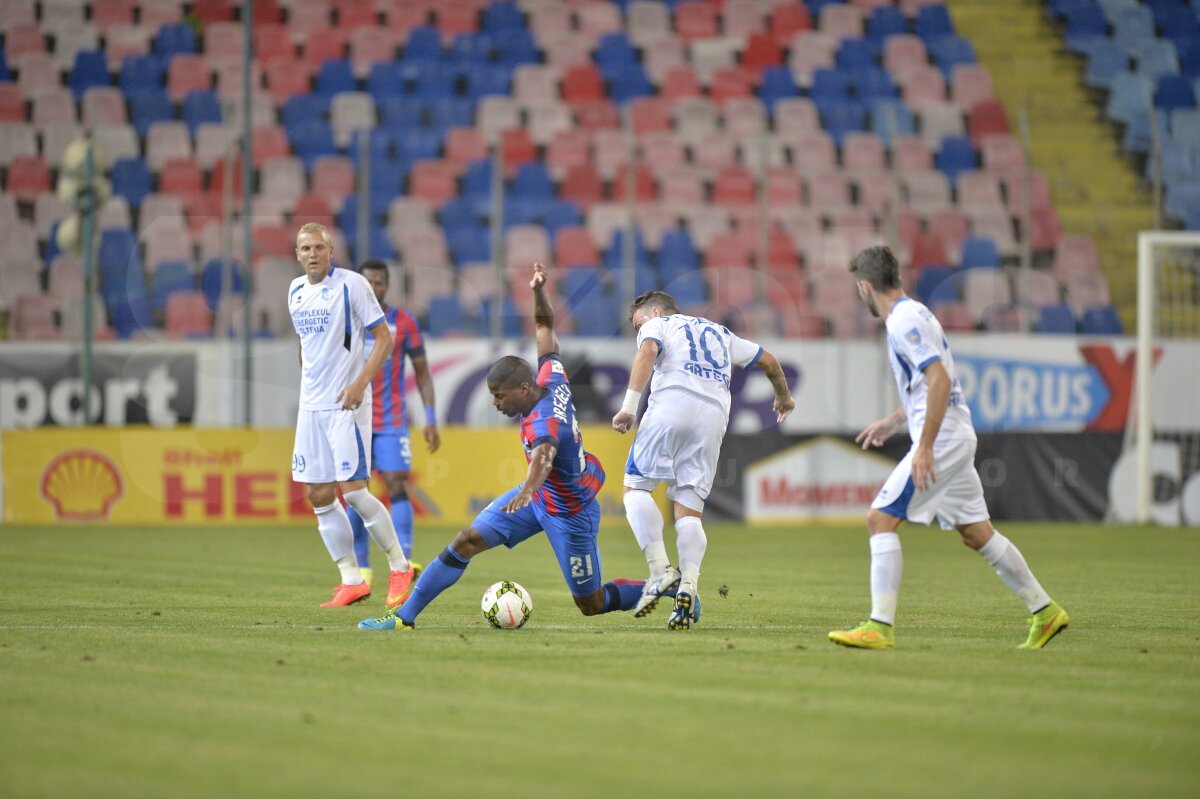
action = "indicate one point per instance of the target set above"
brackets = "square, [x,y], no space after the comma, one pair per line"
[391,448]
[557,496]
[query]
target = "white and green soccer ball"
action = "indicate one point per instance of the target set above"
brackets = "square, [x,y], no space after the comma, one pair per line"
[507,605]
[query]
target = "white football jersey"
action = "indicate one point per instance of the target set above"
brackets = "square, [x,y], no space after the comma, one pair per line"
[697,355]
[915,340]
[331,318]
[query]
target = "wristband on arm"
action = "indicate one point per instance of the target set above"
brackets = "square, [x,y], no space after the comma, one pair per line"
[632,400]
[430,416]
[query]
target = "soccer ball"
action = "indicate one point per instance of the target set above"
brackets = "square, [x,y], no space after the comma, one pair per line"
[507,605]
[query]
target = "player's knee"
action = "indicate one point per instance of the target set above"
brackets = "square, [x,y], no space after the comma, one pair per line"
[397,485]
[320,494]
[880,522]
[468,543]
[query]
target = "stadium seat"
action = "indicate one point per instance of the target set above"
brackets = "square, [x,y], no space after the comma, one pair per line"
[90,69]
[447,317]
[1055,319]
[1102,321]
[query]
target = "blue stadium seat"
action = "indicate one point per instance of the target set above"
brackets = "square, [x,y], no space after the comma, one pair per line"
[334,77]
[131,180]
[677,253]
[886,21]
[485,79]
[90,69]
[453,114]
[385,82]
[1185,124]
[1130,95]
[559,214]
[980,252]
[1055,319]
[630,82]
[830,85]
[171,40]
[777,84]
[5,75]
[461,212]
[936,282]
[424,45]
[1137,137]
[510,318]
[1182,201]
[872,83]
[418,145]
[949,52]
[381,146]
[854,54]
[379,244]
[892,115]
[501,18]
[304,109]
[212,281]
[473,48]
[688,288]
[312,140]
[469,244]
[933,21]
[518,47]
[477,178]
[130,316]
[578,283]
[955,155]
[1173,91]
[120,267]
[839,119]
[385,182]
[613,52]
[400,113]
[533,181]
[614,253]
[1085,24]
[1105,62]
[201,108]
[447,315]
[141,73]
[432,85]
[1059,9]
[147,108]
[169,277]
[1157,59]
[1101,321]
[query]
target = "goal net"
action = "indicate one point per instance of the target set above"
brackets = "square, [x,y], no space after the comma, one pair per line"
[1164,424]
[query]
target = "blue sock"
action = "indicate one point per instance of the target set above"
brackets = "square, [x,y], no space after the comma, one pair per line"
[439,575]
[402,519]
[362,540]
[622,594]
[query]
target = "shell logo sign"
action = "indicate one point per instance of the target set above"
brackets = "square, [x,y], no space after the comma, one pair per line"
[81,485]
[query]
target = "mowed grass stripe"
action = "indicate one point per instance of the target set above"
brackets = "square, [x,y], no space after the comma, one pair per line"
[195,662]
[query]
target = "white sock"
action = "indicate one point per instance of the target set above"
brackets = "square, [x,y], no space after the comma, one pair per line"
[379,524]
[691,542]
[887,567]
[1003,556]
[334,526]
[646,521]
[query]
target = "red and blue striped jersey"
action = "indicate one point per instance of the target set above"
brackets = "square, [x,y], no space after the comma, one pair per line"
[576,476]
[389,414]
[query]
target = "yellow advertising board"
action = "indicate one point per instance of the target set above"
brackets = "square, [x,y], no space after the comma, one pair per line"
[187,475]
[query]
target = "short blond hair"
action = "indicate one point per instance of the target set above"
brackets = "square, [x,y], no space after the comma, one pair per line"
[314,227]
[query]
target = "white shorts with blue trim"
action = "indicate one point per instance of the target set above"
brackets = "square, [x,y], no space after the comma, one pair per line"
[678,442]
[955,498]
[332,446]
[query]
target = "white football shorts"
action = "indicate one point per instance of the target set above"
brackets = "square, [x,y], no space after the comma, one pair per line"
[332,446]
[955,498]
[678,442]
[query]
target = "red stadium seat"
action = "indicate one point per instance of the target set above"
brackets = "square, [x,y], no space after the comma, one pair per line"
[207,11]
[582,82]
[955,316]
[273,43]
[183,177]
[12,103]
[202,210]
[188,72]
[573,247]
[903,52]
[645,187]
[971,84]
[734,185]
[326,45]
[582,186]
[912,154]
[928,250]
[273,241]
[922,85]
[333,176]
[650,113]
[464,145]
[404,15]
[783,187]
[28,176]
[788,19]
[456,18]
[695,20]
[732,82]
[950,225]
[106,13]
[567,150]
[266,12]
[680,185]
[288,78]
[595,114]
[863,151]
[1075,256]
[518,148]
[434,181]
[762,51]
[312,207]
[1046,230]
[370,46]
[354,14]
[986,118]
[268,142]
[662,150]
[727,250]
[187,315]
[679,82]
[22,39]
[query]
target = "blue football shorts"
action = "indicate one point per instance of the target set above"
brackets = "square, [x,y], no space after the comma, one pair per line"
[392,451]
[573,538]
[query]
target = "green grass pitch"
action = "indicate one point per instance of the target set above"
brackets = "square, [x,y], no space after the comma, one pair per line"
[196,663]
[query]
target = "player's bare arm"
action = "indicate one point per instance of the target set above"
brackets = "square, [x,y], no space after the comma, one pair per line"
[352,395]
[937,382]
[639,376]
[540,462]
[784,404]
[543,313]
[425,386]
[878,432]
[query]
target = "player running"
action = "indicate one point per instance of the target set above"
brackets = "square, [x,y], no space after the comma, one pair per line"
[331,308]
[679,438]
[558,495]
[391,448]
[937,477]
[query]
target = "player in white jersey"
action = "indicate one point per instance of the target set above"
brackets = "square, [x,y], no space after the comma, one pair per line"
[679,438]
[331,310]
[937,478]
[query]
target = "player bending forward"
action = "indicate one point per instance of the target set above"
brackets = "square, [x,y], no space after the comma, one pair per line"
[331,308]
[937,477]
[558,495]
[679,438]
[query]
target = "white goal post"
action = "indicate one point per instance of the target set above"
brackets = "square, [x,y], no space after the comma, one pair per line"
[1168,309]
